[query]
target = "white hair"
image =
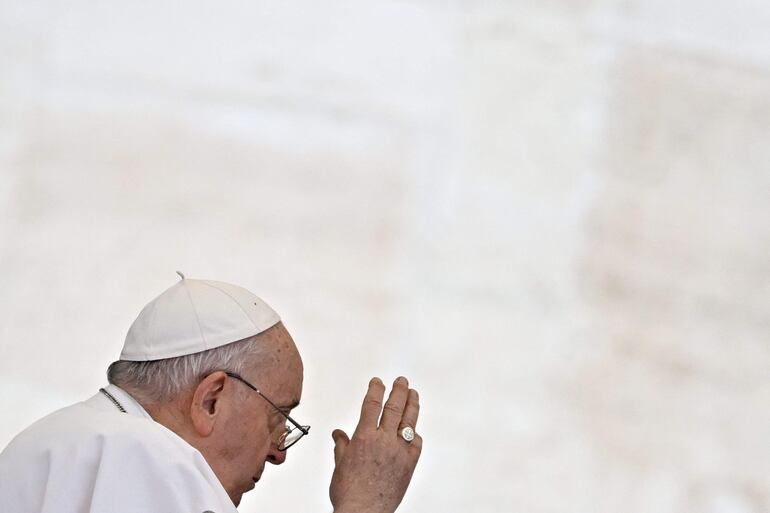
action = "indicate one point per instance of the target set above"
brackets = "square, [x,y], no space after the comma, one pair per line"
[160,381]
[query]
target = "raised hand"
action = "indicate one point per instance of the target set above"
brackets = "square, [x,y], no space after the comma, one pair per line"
[373,469]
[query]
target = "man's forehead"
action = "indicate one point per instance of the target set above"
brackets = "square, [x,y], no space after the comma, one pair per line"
[276,342]
[284,387]
[277,367]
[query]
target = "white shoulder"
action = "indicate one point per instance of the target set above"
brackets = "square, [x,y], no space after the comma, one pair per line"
[104,461]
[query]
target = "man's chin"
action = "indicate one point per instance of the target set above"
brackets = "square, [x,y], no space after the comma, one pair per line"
[236,498]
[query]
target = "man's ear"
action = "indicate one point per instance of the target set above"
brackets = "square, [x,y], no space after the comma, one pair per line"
[206,403]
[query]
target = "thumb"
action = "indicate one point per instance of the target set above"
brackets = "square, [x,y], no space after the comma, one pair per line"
[341,442]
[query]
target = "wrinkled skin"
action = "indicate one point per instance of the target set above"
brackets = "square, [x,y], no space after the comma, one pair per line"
[374,467]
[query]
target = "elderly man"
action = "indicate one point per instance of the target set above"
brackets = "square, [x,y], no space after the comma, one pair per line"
[198,403]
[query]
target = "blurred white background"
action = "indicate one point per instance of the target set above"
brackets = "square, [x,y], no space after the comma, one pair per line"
[551,216]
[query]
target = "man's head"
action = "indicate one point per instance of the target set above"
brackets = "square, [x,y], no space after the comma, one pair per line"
[234,428]
[190,391]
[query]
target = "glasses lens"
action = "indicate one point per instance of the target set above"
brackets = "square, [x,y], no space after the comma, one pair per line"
[290,438]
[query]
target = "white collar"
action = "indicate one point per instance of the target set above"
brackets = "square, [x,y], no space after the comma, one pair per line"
[128,403]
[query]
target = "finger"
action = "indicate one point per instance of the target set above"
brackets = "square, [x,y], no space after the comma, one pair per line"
[341,441]
[394,408]
[417,444]
[411,410]
[372,407]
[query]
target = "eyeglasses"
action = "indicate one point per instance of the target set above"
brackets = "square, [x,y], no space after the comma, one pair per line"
[292,434]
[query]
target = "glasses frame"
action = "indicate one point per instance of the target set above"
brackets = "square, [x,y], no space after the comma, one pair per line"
[303,429]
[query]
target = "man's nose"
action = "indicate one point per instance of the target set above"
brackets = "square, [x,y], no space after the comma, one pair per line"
[275,456]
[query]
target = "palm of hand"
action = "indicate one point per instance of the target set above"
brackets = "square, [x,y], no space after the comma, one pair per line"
[374,468]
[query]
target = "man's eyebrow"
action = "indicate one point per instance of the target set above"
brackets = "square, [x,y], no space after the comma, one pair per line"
[289,407]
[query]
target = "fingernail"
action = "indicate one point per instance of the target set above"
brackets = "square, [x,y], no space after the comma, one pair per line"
[375,381]
[402,379]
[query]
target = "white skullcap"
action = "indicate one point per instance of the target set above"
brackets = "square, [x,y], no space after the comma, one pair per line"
[193,316]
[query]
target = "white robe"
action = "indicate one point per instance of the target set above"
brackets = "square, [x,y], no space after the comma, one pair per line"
[92,458]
